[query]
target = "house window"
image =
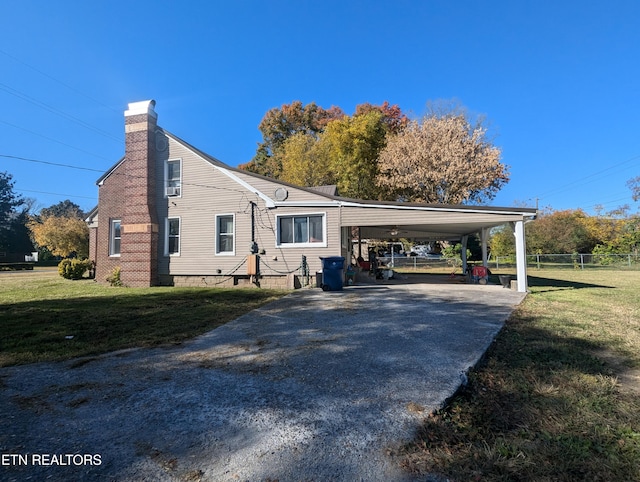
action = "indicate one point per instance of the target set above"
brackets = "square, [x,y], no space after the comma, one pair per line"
[172,240]
[225,242]
[301,230]
[173,178]
[115,236]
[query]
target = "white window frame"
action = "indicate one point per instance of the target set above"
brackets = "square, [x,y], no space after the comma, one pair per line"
[166,236]
[233,235]
[113,237]
[322,244]
[177,190]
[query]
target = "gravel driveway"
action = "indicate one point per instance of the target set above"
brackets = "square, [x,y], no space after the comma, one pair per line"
[316,386]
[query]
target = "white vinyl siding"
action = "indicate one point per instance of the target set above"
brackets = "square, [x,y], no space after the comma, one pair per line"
[301,230]
[115,237]
[208,193]
[225,234]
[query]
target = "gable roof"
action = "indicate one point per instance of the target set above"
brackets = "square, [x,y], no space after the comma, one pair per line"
[330,191]
[380,215]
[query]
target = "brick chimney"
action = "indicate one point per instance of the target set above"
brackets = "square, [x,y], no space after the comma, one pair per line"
[139,245]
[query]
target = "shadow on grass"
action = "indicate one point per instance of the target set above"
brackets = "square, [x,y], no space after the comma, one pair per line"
[553,284]
[59,329]
[539,407]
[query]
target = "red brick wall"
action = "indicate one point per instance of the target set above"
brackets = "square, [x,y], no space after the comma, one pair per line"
[139,257]
[111,195]
[128,194]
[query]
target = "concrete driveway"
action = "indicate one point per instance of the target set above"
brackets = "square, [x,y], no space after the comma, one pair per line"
[316,386]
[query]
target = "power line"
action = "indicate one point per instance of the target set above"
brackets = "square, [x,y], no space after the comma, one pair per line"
[53,140]
[579,182]
[69,166]
[612,201]
[58,112]
[57,164]
[58,194]
[73,89]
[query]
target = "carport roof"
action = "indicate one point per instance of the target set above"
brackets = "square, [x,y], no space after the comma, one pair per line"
[379,219]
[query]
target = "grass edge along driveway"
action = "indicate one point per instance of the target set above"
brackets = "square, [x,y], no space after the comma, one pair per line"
[46,318]
[557,397]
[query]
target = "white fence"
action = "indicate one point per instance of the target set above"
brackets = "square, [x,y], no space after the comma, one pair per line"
[575,261]
[419,262]
[539,261]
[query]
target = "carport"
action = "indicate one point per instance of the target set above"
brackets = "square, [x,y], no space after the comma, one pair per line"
[439,222]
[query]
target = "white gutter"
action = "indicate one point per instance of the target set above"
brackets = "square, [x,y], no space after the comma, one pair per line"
[430,208]
[307,204]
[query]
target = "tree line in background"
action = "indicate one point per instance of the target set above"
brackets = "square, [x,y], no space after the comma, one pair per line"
[379,153]
[58,231]
[574,231]
[375,153]
[14,215]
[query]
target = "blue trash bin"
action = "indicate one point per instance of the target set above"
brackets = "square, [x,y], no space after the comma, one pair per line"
[332,277]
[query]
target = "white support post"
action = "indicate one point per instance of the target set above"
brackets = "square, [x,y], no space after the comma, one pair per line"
[484,238]
[521,256]
[463,253]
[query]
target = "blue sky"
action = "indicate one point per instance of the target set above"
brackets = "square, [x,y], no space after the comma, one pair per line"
[557,80]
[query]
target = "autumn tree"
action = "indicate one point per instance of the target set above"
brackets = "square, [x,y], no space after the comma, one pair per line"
[502,241]
[354,144]
[563,232]
[443,158]
[65,208]
[61,235]
[345,154]
[305,161]
[392,116]
[279,124]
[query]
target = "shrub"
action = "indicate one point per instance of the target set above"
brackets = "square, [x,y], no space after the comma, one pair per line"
[114,277]
[74,268]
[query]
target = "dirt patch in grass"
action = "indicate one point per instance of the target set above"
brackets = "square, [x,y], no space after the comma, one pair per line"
[628,377]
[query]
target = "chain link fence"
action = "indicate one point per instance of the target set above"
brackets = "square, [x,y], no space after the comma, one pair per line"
[581,261]
[572,261]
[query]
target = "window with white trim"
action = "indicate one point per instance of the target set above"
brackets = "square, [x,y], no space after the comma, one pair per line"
[115,237]
[172,237]
[301,230]
[225,234]
[173,177]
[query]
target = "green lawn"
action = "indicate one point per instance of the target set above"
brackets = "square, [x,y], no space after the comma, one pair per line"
[557,398]
[45,317]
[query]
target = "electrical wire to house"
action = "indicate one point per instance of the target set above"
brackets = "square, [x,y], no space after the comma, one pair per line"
[82,168]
